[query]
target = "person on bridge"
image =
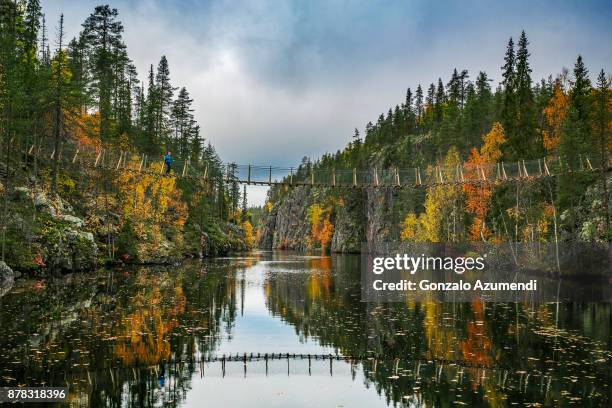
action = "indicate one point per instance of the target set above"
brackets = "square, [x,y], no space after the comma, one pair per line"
[168,162]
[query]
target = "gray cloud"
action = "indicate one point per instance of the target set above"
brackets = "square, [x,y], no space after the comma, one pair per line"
[274,81]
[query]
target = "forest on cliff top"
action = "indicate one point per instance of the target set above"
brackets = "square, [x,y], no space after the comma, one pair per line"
[466,120]
[57,93]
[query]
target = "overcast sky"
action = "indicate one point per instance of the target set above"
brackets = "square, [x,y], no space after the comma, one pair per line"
[274,81]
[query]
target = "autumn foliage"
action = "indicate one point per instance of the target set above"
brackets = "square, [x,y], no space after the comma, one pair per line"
[321,228]
[554,113]
[478,196]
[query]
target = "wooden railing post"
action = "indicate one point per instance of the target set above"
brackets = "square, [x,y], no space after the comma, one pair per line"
[376,176]
[311,176]
[119,161]
[397,178]
[334,177]
[354,177]
[291,176]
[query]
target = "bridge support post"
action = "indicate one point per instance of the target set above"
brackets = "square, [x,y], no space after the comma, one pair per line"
[270,176]
[291,176]
[249,175]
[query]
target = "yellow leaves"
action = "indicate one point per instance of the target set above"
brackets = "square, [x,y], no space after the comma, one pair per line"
[441,204]
[150,202]
[249,237]
[490,151]
[411,230]
[321,228]
[269,206]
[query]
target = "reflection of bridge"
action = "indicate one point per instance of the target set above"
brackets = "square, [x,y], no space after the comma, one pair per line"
[465,173]
[384,368]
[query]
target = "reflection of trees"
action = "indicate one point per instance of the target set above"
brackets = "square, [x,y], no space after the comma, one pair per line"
[464,348]
[113,339]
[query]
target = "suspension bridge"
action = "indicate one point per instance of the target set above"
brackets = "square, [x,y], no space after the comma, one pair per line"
[307,175]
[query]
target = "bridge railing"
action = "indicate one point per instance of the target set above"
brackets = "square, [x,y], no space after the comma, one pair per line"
[80,154]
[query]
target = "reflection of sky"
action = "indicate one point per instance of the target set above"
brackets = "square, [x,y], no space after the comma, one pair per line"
[279,390]
[274,81]
[255,329]
[258,331]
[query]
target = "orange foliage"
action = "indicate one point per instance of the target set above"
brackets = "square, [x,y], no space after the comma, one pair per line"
[321,228]
[477,346]
[143,335]
[478,197]
[555,113]
[86,129]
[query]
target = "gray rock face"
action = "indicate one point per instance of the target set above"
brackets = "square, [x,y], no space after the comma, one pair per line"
[349,231]
[71,250]
[65,244]
[165,254]
[7,278]
[287,225]
[364,216]
[76,222]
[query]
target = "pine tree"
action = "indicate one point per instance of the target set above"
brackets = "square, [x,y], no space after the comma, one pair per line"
[409,116]
[508,112]
[183,122]
[522,140]
[439,103]
[418,104]
[601,127]
[61,77]
[102,34]
[244,212]
[165,91]
[151,140]
[575,139]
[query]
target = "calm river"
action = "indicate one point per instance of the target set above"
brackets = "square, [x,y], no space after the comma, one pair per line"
[157,336]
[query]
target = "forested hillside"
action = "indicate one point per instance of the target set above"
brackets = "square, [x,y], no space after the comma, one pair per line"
[467,119]
[57,93]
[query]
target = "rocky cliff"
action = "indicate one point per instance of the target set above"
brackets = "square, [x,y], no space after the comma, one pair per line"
[359,216]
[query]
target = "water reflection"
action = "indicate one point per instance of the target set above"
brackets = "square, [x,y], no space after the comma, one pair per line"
[144,337]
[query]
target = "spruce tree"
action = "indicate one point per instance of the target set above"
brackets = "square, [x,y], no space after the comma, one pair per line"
[601,127]
[508,111]
[102,34]
[522,140]
[165,91]
[418,100]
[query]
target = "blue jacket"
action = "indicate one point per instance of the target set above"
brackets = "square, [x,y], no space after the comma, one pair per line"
[168,159]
